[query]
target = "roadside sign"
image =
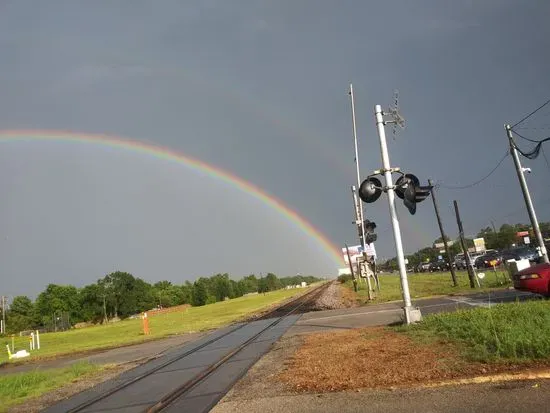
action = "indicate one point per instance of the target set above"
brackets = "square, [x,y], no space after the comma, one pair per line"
[526,240]
[479,244]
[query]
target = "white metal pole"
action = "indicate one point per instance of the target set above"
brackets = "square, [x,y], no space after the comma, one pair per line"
[526,195]
[3,315]
[37,340]
[360,217]
[393,212]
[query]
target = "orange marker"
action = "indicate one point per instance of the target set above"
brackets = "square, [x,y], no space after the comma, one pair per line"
[145,324]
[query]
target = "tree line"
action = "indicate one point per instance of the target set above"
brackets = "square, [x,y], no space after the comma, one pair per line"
[500,239]
[120,295]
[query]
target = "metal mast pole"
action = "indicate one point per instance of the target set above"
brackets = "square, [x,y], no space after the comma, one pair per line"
[360,215]
[526,195]
[3,315]
[410,316]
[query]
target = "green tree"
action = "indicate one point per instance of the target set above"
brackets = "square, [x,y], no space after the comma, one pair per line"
[56,300]
[117,286]
[92,300]
[273,283]
[21,315]
[221,287]
[262,286]
[166,294]
[200,292]
[250,284]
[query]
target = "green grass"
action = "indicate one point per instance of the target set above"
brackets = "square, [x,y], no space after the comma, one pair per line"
[130,331]
[429,284]
[18,387]
[515,331]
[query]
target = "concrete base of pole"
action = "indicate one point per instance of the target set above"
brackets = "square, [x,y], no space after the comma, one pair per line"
[412,315]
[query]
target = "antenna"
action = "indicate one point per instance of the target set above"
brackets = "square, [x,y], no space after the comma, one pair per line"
[393,112]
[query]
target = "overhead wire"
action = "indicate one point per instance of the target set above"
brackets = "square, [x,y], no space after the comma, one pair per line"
[479,180]
[531,114]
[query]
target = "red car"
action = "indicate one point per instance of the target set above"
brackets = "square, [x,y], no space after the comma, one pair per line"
[535,279]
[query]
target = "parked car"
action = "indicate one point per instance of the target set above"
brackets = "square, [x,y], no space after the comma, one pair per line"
[485,260]
[438,266]
[520,253]
[535,279]
[460,261]
[423,267]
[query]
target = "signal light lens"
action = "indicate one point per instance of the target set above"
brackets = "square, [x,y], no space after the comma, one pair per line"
[370,190]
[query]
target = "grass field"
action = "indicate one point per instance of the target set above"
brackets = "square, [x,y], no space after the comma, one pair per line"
[130,331]
[517,331]
[429,284]
[16,388]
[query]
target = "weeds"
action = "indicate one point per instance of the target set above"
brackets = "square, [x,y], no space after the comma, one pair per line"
[515,331]
[16,388]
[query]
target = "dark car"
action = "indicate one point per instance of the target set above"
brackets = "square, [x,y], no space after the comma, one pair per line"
[535,279]
[520,253]
[487,260]
[438,266]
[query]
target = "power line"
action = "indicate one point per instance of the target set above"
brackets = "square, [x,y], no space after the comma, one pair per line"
[523,137]
[534,153]
[480,180]
[531,114]
[546,159]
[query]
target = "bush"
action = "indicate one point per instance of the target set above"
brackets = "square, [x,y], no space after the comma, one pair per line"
[344,278]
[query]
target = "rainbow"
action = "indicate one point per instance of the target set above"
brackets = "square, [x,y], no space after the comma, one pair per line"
[195,164]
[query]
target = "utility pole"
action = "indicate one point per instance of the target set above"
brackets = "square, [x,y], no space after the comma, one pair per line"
[526,195]
[443,236]
[411,314]
[471,274]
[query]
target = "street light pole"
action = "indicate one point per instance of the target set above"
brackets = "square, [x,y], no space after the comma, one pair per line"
[526,195]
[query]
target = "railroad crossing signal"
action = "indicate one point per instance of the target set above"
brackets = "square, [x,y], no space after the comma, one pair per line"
[370,189]
[407,187]
[370,236]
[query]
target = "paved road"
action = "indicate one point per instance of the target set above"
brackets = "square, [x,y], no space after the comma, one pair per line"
[384,314]
[511,397]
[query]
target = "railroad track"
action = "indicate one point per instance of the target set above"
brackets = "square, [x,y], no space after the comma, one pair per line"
[195,377]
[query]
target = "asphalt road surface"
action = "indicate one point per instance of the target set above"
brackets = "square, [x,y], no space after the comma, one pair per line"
[389,313]
[510,397]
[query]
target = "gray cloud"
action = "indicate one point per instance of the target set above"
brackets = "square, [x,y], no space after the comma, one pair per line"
[260,89]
